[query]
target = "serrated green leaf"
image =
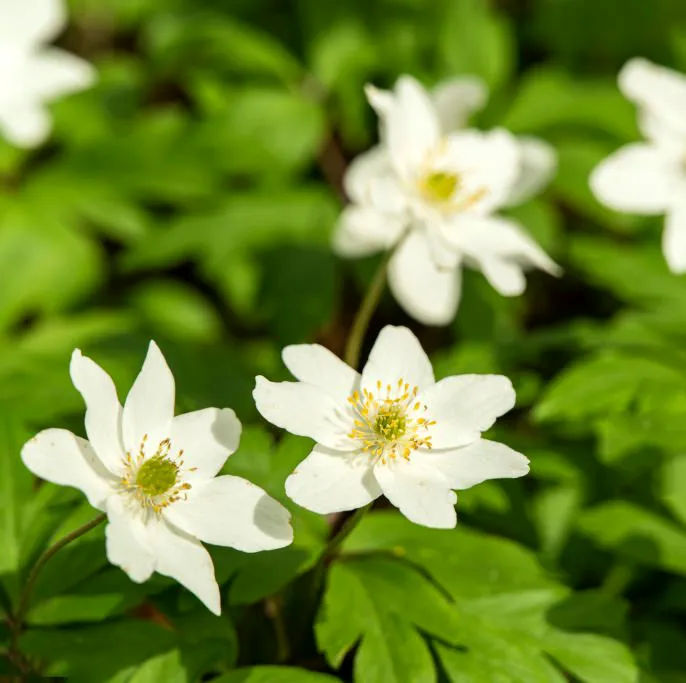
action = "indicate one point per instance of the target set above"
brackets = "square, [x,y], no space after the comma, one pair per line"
[390,601]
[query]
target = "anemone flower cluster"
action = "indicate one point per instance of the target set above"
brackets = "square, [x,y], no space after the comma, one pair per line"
[430,193]
[154,475]
[391,430]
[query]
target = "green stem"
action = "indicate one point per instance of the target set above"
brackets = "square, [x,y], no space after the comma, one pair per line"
[25,597]
[274,606]
[346,529]
[364,315]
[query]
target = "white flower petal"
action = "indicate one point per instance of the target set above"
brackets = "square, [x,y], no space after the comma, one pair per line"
[664,135]
[149,407]
[674,238]
[30,22]
[54,73]
[463,406]
[305,410]
[421,493]
[233,512]
[363,170]
[494,238]
[457,99]
[382,101]
[660,91]
[397,354]
[410,125]
[638,178]
[388,196]
[487,164]
[127,542]
[470,465]
[506,278]
[428,293]
[207,438]
[103,411]
[363,230]
[59,456]
[328,481]
[538,165]
[25,124]
[316,365]
[185,560]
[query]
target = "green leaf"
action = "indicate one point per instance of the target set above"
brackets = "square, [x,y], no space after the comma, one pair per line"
[16,487]
[343,52]
[112,652]
[390,599]
[555,511]
[505,617]
[109,593]
[46,264]
[473,39]
[177,310]
[593,659]
[606,384]
[613,267]
[216,41]
[673,486]
[295,309]
[167,667]
[638,534]
[550,99]
[511,664]
[265,131]
[273,674]
[468,564]
[97,653]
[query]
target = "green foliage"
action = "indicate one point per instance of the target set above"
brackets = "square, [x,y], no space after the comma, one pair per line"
[190,197]
[483,605]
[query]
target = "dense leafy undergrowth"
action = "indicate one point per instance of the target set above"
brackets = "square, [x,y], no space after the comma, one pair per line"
[190,197]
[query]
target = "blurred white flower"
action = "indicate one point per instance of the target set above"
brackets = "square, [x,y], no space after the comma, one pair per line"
[431,190]
[31,74]
[392,430]
[154,476]
[649,178]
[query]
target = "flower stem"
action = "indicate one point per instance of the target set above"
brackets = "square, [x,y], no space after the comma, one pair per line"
[25,597]
[364,315]
[346,529]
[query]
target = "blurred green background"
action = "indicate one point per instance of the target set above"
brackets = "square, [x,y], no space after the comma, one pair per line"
[190,197]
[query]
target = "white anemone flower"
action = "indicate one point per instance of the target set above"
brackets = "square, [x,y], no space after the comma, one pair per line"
[153,474]
[649,178]
[31,74]
[392,430]
[429,191]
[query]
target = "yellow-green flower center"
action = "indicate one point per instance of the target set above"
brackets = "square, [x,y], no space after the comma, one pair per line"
[439,186]
[157,476]
[390,422]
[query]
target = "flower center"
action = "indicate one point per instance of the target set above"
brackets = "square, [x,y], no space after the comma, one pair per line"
[439,186]
[390,422]
[155,482]
[156,476]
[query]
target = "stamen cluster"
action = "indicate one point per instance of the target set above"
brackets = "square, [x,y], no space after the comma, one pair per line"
[391,422]
[155,482]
